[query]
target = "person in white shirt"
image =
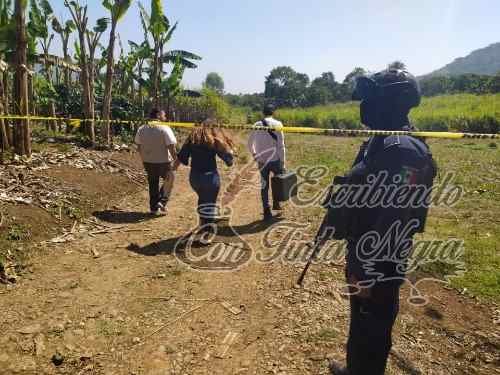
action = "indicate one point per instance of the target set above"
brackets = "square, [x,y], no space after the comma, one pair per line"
[156,144]
[268,150]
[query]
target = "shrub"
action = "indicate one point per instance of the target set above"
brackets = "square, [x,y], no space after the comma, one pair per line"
[209,104]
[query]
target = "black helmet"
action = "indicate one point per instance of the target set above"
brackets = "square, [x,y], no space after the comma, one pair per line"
[386,98]
[393,85]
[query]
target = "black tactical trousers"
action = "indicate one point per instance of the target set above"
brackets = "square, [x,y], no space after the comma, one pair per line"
[370,330]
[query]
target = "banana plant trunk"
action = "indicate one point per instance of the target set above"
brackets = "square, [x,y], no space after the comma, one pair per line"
[160,73]
[31,94]
[6,108]
[22,131]
[106,109]
[48,77]
[3,129]
[91,72]
[58,74]
[67,78]
[156,81]
[53,123]
[87,101]
[141,94]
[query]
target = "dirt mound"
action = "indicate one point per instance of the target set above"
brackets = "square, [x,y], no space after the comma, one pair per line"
[45,195]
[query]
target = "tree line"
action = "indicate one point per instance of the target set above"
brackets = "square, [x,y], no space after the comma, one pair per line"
[464,83]
[287,88]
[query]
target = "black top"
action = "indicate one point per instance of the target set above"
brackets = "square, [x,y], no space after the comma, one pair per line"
[382,198]
[202,157]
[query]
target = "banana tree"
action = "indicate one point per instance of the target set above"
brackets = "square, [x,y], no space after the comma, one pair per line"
[7,48]
[117,9]
[158,26]
[22,133]
[38,26]
[79,14]
[125,68]
[40,16]
[172,87]
[64,33]
[3,126]
[93,38]
[140,53]
[7,31]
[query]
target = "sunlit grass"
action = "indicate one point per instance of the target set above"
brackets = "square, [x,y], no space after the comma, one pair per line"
[463,112]
[474,219]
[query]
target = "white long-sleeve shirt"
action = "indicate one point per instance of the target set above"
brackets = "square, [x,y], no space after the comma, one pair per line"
[263,147]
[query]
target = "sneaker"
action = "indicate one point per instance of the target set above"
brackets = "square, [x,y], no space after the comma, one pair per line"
[206,240]
[206,235]
[337,369]
[160,210]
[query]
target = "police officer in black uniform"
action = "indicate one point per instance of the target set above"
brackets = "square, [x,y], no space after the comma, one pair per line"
[381,203]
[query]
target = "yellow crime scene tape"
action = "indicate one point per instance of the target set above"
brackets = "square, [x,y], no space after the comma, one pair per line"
[286,129]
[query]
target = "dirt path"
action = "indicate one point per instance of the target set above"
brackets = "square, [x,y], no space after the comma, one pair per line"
[121,303]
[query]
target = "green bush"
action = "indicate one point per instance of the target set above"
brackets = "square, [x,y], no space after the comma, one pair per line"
[209,104]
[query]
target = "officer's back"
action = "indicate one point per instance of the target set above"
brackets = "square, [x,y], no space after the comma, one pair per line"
[378,208]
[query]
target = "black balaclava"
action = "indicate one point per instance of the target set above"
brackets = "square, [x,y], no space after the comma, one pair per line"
[380,114]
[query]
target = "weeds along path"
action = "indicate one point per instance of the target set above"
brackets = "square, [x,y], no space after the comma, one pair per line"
[119,302]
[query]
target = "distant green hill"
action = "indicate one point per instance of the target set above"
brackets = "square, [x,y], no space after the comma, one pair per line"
[482,61]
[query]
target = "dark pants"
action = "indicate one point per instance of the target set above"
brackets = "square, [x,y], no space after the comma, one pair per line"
[207,186]
[157,194]
[276,167]
[370,333]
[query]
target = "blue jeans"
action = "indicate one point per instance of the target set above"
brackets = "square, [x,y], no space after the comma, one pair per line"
[276,167]
[207,186]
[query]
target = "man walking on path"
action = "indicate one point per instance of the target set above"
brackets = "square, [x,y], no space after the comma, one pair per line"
[156,144]
[268,150]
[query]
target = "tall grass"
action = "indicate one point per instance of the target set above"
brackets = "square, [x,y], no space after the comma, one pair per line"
[475,165]
[462,112]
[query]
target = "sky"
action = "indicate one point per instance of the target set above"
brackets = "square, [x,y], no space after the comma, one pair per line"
[243,40]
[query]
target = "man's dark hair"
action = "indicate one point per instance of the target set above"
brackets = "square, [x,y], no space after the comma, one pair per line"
[154,113]
[269,110]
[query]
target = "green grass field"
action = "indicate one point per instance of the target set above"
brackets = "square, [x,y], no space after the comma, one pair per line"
[475,218]
[463,112]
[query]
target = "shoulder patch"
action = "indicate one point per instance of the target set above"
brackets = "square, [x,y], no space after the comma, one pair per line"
[408,175]
[393,140]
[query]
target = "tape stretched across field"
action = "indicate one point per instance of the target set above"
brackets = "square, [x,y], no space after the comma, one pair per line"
[286,129]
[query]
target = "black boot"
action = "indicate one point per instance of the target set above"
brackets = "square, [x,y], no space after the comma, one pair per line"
[337,369]
[268,215]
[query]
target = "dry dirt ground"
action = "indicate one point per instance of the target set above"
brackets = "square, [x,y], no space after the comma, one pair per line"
[118,301]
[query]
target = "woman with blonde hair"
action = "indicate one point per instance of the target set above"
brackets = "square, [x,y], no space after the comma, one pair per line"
[202,146]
